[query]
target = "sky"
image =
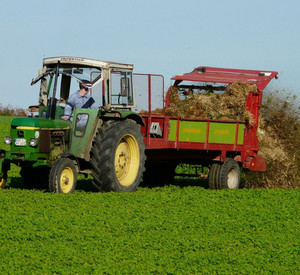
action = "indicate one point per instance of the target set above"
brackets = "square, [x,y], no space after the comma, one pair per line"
[165,37]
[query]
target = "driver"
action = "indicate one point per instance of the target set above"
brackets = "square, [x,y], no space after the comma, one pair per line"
[80,99]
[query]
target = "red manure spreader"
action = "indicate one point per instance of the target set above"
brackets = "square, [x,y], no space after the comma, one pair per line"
[222,145]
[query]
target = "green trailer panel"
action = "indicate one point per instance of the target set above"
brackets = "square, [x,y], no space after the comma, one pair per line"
[225,133]
[221,133]
[240,140]
[172,129]
[192,131]
[196,131]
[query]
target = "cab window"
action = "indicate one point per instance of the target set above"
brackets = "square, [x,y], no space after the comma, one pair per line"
[121,88]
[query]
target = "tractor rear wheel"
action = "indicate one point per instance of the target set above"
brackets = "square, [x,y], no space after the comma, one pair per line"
[229,175]
[118,156]
[213,177]
[63,176]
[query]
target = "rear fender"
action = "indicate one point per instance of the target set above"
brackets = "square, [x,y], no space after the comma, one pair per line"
[125,114]
[137,118]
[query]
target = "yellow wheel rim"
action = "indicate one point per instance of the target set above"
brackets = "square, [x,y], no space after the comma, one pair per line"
[127,160]
[66,180]
[2,183]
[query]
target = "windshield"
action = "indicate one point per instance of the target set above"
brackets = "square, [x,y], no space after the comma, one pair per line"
[68,83]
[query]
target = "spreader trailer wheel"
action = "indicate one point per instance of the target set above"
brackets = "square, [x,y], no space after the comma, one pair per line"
[213,177]
[63,176]
[229,175]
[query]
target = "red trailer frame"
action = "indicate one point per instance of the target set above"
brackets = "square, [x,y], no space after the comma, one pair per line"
[161,148]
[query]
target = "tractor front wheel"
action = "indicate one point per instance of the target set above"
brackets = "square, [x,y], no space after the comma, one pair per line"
[2,183]
[63,176]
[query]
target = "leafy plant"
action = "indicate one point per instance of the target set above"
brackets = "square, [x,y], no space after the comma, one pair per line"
[170,230]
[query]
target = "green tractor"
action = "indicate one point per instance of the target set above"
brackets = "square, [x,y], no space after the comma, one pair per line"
[106,142]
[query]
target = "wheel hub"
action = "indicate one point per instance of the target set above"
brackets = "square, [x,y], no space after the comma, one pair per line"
[66,180]
[122,159]
[232,178]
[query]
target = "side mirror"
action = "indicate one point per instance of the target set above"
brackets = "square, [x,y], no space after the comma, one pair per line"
[124,86]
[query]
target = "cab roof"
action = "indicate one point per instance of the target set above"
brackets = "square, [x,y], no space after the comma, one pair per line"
[85,62]
[227,76]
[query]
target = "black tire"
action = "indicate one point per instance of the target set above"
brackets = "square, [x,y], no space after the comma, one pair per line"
[230,175]
[35,177]
[118,156]
[213,177]
[158,174]
[3,179]
[2,183]
[63,176]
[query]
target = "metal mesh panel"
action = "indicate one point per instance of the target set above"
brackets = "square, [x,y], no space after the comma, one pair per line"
[142,86]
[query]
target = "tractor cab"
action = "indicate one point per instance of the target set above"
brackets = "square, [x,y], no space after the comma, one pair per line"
[109,83]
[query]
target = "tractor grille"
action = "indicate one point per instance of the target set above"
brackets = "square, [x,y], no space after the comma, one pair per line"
[45,141]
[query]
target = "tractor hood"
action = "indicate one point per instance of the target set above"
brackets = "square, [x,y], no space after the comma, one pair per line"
[26,122]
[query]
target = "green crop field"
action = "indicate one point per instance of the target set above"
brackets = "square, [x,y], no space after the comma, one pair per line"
[179,229]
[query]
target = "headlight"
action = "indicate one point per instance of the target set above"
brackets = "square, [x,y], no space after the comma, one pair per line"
[32,142]
[7,140]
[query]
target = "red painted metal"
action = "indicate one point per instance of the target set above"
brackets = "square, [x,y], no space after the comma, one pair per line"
[221,75]
[236,135]
[160,148]
[149,109]
[207,135]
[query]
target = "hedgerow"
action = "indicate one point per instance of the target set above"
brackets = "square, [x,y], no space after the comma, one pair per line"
[10,110]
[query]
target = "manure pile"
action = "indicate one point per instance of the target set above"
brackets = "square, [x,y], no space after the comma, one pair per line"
[279,143]
[229,105]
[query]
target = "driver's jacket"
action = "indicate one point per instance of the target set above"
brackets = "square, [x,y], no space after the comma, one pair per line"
[76,100]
